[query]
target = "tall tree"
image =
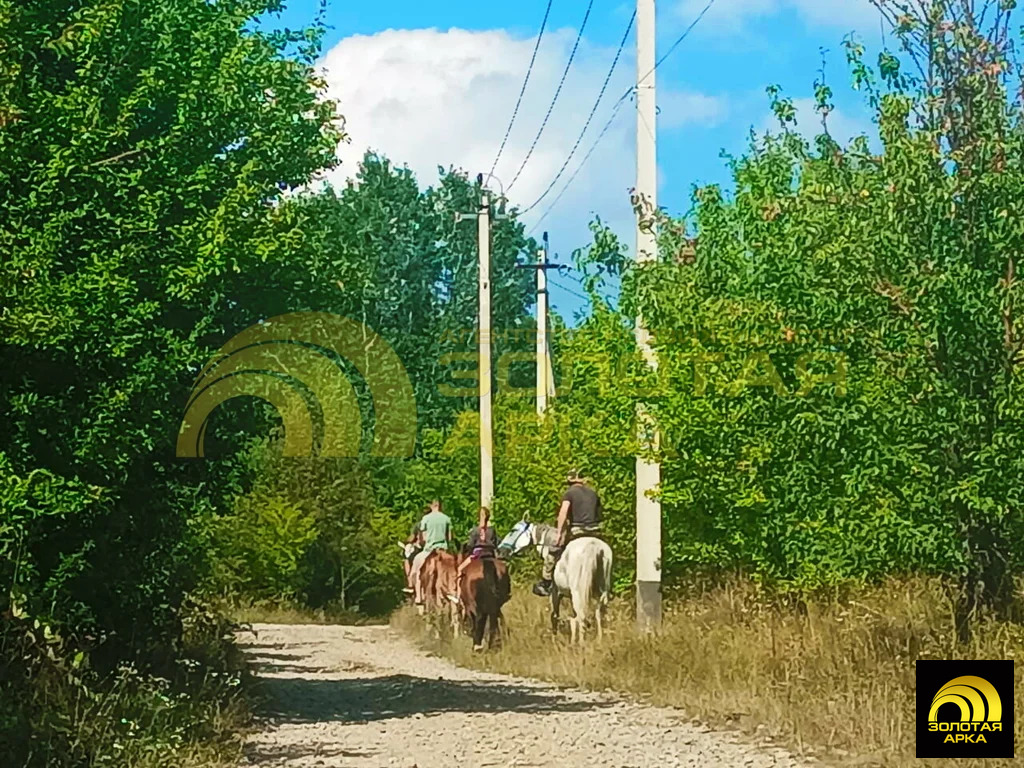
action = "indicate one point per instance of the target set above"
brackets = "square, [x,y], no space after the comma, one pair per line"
[142,148]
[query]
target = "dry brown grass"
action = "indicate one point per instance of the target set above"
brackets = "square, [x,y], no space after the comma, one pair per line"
[835,681]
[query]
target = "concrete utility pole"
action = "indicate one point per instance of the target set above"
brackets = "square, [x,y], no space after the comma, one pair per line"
[483,229]
[648,474]
[544,376]
[483,220]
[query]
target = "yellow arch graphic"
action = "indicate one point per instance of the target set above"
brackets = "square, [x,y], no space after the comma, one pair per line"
[976,697]
[277,359]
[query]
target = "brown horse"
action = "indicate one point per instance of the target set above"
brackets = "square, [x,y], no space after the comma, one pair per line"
[485,589]
[437,578]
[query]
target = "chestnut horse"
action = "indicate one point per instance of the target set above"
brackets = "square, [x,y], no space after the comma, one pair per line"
[485,589]
[437,578]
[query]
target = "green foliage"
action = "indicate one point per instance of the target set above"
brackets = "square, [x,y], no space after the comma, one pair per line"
[309,532]
[143,148]
[142,152]
[260,548]
[392,256]
[838,346]
[839,390]
[56,705]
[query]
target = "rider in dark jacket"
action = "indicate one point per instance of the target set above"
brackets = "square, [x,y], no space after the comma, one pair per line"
[579,515]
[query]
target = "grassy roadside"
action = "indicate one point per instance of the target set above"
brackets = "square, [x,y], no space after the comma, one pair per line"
[188,710]
[835,681]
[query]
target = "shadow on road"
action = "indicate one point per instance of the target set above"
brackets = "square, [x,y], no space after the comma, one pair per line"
[279,656]
[299,700]
[289,752]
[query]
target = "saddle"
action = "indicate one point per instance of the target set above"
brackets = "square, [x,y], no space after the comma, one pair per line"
[557,551]
[484,552]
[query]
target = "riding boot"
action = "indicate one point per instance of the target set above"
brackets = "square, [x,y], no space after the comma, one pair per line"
[542,588]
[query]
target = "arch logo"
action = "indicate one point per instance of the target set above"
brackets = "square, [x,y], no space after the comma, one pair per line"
[298,363]
[965,709]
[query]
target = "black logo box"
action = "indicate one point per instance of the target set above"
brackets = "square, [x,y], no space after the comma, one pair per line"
[966,739]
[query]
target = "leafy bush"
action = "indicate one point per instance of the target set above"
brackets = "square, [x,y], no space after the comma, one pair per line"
[55,710]
[259,550]
[143,148]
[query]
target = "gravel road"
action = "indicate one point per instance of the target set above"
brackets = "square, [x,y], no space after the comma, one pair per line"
[365,697]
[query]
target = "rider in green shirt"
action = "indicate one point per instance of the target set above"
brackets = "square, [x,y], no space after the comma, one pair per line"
[435,531]
[435,528]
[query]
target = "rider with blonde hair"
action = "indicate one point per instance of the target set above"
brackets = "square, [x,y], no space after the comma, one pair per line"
[483,542]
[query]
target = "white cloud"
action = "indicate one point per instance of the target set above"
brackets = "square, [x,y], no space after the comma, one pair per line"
[733,15]
[678,108]
[428,97]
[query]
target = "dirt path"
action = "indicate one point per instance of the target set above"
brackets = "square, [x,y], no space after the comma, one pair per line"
[364,697]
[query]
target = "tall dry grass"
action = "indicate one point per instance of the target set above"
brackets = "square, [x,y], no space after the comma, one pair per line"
[833,679]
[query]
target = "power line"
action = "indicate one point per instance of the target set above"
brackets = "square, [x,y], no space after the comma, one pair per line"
[567,289]
[529,70]
[615,111]
[680,39]
[590,117]
[583,162]
[575,293]
[561,82]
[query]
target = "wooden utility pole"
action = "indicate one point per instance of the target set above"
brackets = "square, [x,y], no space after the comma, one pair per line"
[483,220]
[648,474]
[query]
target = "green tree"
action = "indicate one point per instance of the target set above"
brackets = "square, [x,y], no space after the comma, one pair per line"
[143,150]
[900,269]
[387,253]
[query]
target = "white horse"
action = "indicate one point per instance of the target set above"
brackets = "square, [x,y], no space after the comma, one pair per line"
[583,572]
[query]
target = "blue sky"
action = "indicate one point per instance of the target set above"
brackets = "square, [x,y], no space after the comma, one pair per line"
[430,82]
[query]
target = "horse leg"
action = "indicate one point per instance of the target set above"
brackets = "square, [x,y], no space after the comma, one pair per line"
[556,598]
[579,621]
[492,629]
[598,619]
[479,624]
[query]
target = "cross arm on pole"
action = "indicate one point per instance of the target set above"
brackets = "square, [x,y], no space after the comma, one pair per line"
[540,266]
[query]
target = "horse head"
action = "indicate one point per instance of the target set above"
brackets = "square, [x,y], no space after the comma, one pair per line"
[518,539]
[407,548]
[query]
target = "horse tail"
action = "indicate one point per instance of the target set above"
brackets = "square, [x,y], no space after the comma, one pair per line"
[490,584]
[582,584]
